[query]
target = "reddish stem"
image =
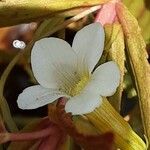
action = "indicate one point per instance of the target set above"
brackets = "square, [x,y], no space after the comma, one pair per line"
[62,101]
[31,136]
[2,126]
[28,136]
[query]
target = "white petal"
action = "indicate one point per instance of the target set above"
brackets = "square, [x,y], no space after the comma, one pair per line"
[105,79]
[83,103]
[89,43]
[53,62]
[37,96]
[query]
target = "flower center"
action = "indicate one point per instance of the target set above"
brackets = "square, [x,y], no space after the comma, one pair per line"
[77,88]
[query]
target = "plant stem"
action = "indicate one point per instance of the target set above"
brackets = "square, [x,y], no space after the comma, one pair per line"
[5,137]
[6,114]
[3,104]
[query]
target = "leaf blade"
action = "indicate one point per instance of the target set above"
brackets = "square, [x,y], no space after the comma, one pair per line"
[23,11]
[137,56]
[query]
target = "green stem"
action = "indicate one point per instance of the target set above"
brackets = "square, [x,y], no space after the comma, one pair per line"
[6,114]
[3,103]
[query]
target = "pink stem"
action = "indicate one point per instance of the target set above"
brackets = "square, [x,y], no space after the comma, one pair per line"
[2,126]
[29,136]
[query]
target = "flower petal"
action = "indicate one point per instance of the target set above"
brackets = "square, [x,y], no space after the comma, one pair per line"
[88,44]
[37,96]
[83,103]
[53,62]
[105,79]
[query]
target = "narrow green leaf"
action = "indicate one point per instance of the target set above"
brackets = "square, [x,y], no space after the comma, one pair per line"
[139,8]
[137,58]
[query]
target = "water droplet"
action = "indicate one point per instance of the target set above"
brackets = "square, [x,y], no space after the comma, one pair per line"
[19,44]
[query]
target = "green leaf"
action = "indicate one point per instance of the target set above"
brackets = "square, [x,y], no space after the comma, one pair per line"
[22,11]
[137,59]
[139,8]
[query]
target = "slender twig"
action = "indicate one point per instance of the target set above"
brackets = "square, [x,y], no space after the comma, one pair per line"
[6,114]
[3,104]
[5,137]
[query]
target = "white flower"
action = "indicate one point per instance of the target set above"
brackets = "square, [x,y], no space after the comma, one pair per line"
[63,71]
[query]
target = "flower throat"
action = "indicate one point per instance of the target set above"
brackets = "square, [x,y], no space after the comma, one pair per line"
[77,88]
